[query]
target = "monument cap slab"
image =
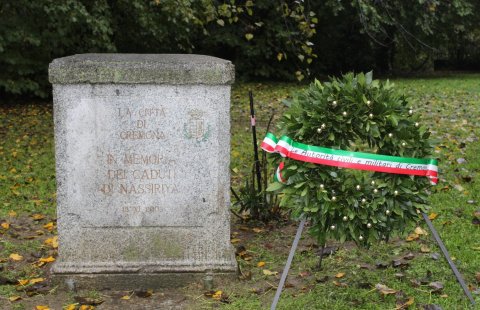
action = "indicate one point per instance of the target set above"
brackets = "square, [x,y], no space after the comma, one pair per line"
[142,148]
[170,69]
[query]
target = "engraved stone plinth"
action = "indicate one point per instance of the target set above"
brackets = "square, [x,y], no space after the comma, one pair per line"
[142,160]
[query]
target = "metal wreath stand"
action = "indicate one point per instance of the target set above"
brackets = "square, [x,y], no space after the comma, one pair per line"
[435,234]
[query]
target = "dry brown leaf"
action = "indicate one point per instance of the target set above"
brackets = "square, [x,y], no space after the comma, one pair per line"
[144,293]
[36,280]
[269,273]
[53,242]
[23,282]
[340,275]
[425,249]
[38,216]
[16,257]
[339,284]
[412,237]
[260,264]
[49,226]
[406,304]
[247,257]
[14,298]
[235,240]
[257,230]
[47,259]
[384,290]
[217,295]
[420,231]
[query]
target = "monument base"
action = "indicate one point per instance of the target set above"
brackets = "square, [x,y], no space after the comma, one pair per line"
[142,277]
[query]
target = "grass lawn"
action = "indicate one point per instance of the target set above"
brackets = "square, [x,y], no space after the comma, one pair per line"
[450,105]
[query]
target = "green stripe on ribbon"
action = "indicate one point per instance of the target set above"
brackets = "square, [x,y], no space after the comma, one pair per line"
[371,156]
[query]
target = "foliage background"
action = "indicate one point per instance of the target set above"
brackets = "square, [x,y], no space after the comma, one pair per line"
[282,40]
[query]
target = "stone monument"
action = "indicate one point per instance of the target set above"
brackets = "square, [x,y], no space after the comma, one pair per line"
[142,147]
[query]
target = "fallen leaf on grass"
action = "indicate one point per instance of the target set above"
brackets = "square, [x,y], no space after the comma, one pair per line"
[399,275]
[415,282]
[16,257]
[404,304]
[70,307]
[436,286]
[384,290]
[217,295]
[247,275]
[257,290]
[425,249]
[38,216]
[14,298]
[40,307]
[260,264]
[23,282]
[5,225]
[420,231]
[49,226]
[399,263]
[340,275]
[235,240]
[53,242]
[47,259]
[269,273]
[126,297]
[36,280]
[339,284]
[242,252]
[412,237]
[304,274]
[12,213]
[144,293]
[432,216]
[87,301]
[257,230]
[86,307]
[37,288]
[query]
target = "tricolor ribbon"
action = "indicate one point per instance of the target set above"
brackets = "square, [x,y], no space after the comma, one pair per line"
[289,148]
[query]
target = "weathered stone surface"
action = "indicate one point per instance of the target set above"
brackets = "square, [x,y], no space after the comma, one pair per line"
[142,170]
[171,69]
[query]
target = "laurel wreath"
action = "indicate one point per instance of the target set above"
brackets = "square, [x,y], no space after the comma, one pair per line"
[354,113]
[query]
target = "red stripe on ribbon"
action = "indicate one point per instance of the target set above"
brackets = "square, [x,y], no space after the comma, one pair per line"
[342,164]
[267,147]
